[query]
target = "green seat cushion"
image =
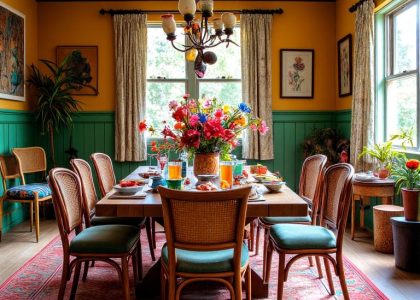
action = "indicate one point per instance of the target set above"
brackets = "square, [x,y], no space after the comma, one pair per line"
[297,236]
[96,221]
[205,261]
[105,239]
[277,220]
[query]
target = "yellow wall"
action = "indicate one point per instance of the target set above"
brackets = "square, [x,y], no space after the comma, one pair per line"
[303,25]
[29,9]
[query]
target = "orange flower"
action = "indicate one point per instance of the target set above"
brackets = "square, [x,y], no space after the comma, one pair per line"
[179,126]
[241,121]
[142,126]
[153,143]
[412,164]
[154,149]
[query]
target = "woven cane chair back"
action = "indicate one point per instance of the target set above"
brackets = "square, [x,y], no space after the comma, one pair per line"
[67,198]
[336,198]
[204,220]
[83,169]
[311,176]
[31,159]
[104,172]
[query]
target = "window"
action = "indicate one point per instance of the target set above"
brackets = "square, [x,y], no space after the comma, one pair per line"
[398,96]
[170,75]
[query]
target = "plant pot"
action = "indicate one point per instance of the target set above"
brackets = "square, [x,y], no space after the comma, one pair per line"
[411,204]
[206,164]
[383,173]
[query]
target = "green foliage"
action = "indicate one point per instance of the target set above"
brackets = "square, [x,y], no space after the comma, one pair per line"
[404,177]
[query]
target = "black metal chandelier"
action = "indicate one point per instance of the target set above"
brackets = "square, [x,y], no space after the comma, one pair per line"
[200,36]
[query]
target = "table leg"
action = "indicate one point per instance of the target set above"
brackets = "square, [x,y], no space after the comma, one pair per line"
[363,203]
[353,217]
[386,200]
[259,289]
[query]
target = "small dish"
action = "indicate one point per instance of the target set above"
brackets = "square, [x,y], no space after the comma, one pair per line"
[128,189]
[274,186]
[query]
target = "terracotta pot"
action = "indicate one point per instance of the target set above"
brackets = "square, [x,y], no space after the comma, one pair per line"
[383,173]
[206,164]
[410,203]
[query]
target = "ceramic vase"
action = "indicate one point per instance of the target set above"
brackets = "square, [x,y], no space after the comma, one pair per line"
[206,164]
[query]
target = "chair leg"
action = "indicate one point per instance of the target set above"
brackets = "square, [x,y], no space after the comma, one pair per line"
[150,239]
[266,275]
[310,260]
[318,266]
[31,212]
[248,283]
[162,284]
[238,286]
[64,275]
[329,277]
[257,239]
[75,280]
[36,203]
[251,235]
[1,216]
[265,244]
[282,262]
[139,262]
[135,266]
[153,225]
[85,271]
[341,275]
[125,278]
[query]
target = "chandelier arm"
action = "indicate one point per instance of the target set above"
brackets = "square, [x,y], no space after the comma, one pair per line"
[192,39]
[181,50]
[210,41]
[206,24]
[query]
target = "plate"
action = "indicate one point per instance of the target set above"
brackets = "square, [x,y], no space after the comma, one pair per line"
[365,177]
[128,189]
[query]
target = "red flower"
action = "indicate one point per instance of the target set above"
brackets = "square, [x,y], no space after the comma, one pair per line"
[213,128]
[186,96]
[168,132]
[153,143]
[412,164]
[180,113]
[191,138]
[154,149]
[219,114]
[142,126]
[228,134]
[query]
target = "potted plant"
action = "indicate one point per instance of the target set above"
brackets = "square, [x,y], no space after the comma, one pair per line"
[407,175]
[55,103]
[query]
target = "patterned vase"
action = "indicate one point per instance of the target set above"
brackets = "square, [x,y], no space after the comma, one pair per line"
[411,204]
[206,164]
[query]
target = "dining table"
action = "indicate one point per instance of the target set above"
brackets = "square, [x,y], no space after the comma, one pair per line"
[283,203]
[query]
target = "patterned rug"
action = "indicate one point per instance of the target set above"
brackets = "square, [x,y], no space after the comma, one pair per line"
[40,278]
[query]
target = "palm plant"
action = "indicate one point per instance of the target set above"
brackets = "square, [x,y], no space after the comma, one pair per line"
[55,103]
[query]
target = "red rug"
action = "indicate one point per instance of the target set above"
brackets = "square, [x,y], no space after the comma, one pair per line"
[40,278]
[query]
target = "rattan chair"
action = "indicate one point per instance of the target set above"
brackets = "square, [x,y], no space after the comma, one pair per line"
[98,243]
[204,232]
[106,178]
[82,168]
[325,240]
[25,161]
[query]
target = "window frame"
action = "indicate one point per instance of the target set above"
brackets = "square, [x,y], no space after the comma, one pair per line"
[385,63]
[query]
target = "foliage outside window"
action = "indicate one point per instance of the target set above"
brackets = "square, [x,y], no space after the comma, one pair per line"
[397,72]
[170,75]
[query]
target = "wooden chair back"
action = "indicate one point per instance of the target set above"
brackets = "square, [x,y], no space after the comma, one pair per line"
[204,221]
[67,199]
[336,198]
[310,177]
[30,160]
[83,169]
[104,172]
[9,169]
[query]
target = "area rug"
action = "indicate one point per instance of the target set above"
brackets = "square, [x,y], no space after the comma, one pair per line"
[39,278]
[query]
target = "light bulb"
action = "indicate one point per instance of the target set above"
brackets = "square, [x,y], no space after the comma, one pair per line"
[191,54]
[168,23]
[229,19]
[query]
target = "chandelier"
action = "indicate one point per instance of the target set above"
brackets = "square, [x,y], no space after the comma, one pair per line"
[200,36]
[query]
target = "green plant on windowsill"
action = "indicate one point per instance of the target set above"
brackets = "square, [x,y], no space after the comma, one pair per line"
[385,153]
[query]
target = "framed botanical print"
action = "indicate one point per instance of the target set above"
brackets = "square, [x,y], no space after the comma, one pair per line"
[345,66]
[91,55]
[297,73]
[12,53]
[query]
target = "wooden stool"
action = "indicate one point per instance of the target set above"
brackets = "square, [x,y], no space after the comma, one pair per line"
[363,190]
[382,229]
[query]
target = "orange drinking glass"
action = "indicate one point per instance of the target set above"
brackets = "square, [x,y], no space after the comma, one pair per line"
[175,170]
[226,173]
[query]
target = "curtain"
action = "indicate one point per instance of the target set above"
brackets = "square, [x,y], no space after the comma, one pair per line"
[130,32]
[362,121]
[256,81]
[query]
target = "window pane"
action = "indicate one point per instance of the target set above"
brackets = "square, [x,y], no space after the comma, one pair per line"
[228,92]
[402,105]
[162,59]
[228,63]
[158,96]
[405,40]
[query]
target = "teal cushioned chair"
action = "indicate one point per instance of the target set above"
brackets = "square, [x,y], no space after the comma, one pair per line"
[104,243]
[204,233]
[325,240]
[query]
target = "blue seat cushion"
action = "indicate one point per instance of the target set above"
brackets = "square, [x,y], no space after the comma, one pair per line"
[205,261]
[297,237]
[97,221]
[277,220]
[28,191]
[105,239]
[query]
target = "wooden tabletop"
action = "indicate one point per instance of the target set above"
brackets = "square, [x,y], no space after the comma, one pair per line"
[285,203]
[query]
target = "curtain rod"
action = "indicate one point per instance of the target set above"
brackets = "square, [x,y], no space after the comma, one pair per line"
[356,5]
[139,11]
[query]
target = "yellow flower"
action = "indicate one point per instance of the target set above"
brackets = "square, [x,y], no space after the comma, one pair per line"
[226,109]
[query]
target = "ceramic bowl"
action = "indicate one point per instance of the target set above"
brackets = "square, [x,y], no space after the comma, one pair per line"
[274,186]
[128,189]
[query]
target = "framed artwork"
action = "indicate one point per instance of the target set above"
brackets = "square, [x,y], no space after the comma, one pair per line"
[12,53]
[297,73]
[345,66]
[91,54]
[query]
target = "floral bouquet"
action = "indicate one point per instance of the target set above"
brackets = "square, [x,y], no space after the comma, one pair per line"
[207,125]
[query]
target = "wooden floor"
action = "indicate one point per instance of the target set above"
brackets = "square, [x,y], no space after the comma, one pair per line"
[19,245]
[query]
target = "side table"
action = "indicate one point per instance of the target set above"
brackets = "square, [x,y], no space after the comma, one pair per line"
[406,236]
[363,190]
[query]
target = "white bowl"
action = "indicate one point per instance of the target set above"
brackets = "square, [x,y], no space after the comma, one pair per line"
[274,186]
[128,189]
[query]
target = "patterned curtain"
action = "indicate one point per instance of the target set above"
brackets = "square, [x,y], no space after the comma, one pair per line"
[130,66]
[256,81]
[362,121]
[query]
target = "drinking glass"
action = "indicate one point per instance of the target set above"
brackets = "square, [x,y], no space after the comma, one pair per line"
[239,167]
[162,160]
[175,170]
[226,173]
[175,184]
